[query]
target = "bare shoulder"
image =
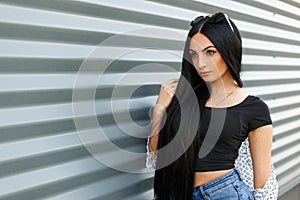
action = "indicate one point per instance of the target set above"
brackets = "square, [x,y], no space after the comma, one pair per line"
[239,96]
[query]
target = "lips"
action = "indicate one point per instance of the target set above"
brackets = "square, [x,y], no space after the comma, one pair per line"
[204,73]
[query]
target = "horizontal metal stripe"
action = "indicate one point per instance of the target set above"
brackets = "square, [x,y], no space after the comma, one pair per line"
[89,191]
[286,129]
[76,19]
[70,21]
[269,38]
[205,7]
[290,153]
[107,54]
[288,142]
[38,146]
[279,94]
[290,171]
[289,185]
[34,98]
[270,46]
[270,89]
[280,104]
[64,171]
[253,83]
[258,67]
[120,194]
[268,31]
[130,190]
[287,133]
[267,60]
[287,171]
[41,97]
[285,114]
[92,10]
[255,14]
[93,81]
[42,49]
[23,116]
[72,178]
[270,75]
[38,129]
[27,164]
[16,65]
[292,2]
[280,130]
[32,148]
[286,120]
[157,9]
[259,52]
[54,34]
[286,107]
[270,7]
[86,9]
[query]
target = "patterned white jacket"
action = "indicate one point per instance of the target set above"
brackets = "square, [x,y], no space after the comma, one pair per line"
[243,164]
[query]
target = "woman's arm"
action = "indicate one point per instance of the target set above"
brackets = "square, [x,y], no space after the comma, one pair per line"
[157,118]
[260,141]
[165,96]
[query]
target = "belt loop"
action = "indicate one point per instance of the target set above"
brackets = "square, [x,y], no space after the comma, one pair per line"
[203,193]
[238,173]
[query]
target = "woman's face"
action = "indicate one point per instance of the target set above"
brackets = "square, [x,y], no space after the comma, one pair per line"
[206,59]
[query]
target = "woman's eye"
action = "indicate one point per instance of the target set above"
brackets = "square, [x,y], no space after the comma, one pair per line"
[194,55]
[210,52]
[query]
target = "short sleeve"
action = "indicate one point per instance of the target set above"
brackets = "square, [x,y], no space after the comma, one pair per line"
[260,115]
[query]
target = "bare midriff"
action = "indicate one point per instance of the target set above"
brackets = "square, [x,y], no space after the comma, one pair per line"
[205,177]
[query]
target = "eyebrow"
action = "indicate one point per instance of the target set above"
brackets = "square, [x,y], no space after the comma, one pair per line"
[206,48]
[203,49]
[192,50]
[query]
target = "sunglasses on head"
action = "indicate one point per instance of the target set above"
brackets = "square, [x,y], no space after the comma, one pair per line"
[213,19]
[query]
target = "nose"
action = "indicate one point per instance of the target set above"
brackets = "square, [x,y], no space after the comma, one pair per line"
[202,62]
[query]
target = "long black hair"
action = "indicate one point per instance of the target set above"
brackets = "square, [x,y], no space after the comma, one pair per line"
[175,180]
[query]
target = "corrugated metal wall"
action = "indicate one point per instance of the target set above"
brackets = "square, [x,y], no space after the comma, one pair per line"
[43,45]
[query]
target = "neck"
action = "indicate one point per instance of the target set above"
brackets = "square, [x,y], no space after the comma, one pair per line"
[221,87]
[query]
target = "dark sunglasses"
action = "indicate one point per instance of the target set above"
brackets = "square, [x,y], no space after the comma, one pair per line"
[215,18]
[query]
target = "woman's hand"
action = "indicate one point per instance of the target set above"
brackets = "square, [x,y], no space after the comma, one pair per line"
[166,93]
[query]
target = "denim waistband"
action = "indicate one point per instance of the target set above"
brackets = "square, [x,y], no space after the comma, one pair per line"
[219,182]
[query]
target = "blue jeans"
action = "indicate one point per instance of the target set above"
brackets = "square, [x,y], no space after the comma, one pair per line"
[229,187]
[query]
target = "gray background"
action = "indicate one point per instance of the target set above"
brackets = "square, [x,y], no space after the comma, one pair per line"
[44,42]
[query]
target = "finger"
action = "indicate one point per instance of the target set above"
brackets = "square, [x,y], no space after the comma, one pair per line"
[173,80]
[169,86]
[172,88]
[173,85]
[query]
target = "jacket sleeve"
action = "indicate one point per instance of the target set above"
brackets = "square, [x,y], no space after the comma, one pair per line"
[149,162]
[243,164]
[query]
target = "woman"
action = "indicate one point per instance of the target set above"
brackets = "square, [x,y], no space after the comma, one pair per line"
[209,167]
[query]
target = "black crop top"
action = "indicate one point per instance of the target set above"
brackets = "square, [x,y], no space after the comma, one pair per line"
[227,129]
